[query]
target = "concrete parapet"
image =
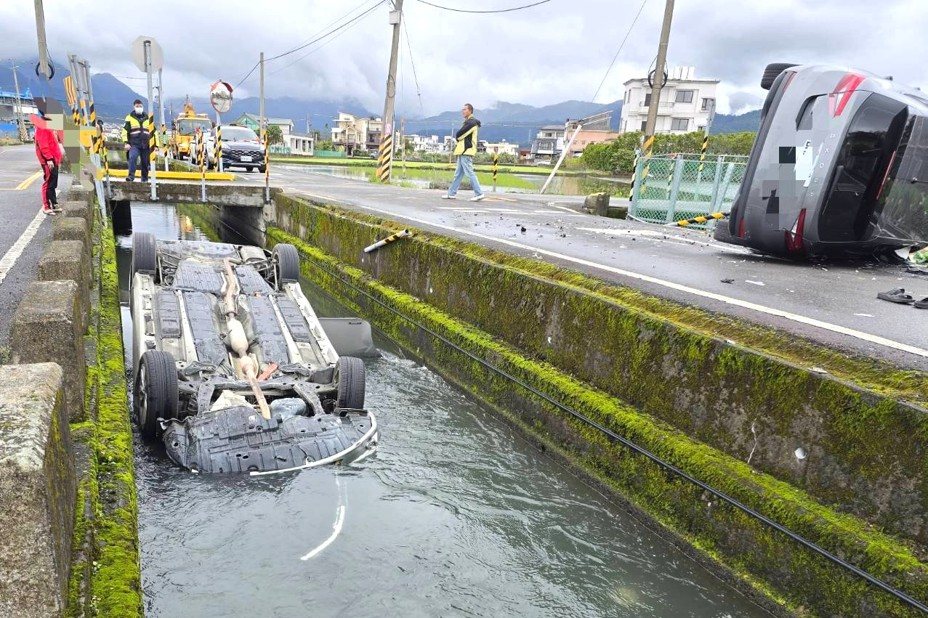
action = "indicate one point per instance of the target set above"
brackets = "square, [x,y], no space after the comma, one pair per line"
[69,228]
[65,260]
[47,327]
[81,210]
[37,491]
[596,204]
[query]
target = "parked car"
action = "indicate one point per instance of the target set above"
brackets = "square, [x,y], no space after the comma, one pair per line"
[241,147]
[839,166]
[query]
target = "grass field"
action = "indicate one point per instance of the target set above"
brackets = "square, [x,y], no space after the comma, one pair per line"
[511,169]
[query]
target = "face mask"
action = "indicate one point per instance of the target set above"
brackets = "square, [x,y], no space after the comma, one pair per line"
[139,109]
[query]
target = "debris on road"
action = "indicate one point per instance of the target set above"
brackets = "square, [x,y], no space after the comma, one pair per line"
[728,280]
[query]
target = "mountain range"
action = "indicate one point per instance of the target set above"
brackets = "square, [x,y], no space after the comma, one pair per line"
[513,122]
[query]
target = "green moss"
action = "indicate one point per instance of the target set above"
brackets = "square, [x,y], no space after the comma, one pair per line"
[711,376]
[751,549]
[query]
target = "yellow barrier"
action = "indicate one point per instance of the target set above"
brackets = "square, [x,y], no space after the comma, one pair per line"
[224,176]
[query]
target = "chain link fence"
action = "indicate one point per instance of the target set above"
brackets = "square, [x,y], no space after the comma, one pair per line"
[669,188]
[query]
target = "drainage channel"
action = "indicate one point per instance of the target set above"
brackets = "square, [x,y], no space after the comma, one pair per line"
[456,515]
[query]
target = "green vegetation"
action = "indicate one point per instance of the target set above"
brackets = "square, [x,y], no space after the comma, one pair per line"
[511,169]
[618,156]
[274,135]
[9,141]
[760,556]
[443,177]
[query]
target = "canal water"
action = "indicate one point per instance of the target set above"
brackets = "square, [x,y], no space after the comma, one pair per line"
[456,515]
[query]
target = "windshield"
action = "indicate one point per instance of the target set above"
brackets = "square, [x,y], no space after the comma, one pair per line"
[904,202]
[861,167]
[188,126]
[238,134]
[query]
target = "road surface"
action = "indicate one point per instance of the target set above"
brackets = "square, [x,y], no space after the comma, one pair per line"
[833,303]
[24,232]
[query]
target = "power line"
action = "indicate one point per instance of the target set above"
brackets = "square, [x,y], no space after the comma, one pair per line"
[515,8]
[329,33]
[312,51]
[413,63]
[619,51]
[248,74]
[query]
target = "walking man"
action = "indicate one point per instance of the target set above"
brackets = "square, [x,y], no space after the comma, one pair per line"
[465,148]
[48,152]
[136,133]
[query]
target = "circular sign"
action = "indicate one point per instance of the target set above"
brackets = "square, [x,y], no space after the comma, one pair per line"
[220,96]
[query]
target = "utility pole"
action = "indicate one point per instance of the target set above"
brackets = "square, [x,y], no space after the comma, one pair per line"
[386,144]
[44,68]
[261,121]
[19,105]
[658,82]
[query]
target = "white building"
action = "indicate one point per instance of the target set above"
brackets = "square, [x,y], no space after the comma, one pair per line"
[686,103]
[300,144]
[425,143]
[352,133]
[503,147]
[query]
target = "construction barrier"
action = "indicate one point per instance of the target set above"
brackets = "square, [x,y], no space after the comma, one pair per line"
[386,241]
[385,159]
[267,171]
[702,152]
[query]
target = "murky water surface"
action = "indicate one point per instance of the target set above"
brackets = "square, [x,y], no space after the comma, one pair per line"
[455,516]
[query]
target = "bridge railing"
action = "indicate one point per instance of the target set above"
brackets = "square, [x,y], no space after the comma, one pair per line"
[672,187]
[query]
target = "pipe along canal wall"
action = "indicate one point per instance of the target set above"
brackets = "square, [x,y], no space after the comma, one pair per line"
[69,539]
[823,454]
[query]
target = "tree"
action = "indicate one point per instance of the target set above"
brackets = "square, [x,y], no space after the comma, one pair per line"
[274,135]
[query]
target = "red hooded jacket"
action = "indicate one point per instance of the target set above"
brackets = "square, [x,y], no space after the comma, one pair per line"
[46,145]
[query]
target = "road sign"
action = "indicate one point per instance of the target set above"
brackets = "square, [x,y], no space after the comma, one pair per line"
[138,53]
[220,95]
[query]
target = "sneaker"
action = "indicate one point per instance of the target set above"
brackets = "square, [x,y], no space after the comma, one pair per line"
[448,197]
[49,211]
[128,179]
[477,198]
[56,208]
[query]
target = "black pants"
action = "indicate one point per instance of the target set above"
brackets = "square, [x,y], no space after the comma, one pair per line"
[141,154]
[49,184]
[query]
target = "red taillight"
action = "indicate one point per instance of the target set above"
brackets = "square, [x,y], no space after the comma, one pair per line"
[741,228]
[794,235]
[841,95]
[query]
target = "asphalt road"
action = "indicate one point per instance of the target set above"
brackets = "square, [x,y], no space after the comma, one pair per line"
[20,203]
[833,303]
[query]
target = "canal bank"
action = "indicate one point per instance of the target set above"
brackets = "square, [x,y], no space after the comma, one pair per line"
[457,514]
[709,404]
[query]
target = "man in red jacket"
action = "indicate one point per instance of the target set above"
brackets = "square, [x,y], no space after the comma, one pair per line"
[48,151]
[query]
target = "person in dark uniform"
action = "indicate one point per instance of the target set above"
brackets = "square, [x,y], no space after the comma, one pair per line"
[136,134]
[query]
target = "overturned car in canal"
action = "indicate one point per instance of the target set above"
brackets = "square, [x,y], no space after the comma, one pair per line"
[232,369]
[839,166]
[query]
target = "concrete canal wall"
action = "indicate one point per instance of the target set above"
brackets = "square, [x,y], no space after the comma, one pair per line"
[724,401]
[69,542]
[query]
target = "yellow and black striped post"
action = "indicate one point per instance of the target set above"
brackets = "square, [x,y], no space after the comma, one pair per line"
[152,145]
[702,153]
[385,160]
[93,114]
[495,169]
[712,216]
[219,147]
[267,170]
[201,159]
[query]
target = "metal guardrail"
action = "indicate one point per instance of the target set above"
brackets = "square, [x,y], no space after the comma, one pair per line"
[668,188]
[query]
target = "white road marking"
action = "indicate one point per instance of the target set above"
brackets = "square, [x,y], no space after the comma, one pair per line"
[793,317]
[563,208]
[664,236]
[9,259]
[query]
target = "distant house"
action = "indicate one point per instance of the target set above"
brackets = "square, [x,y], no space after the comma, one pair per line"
[424,143]
[596,129]
[503,147]
[293,143]
[687,104]
[251,121]
[352,133]
[548,143]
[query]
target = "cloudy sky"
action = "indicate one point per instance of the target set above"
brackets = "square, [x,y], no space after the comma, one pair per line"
[550,53]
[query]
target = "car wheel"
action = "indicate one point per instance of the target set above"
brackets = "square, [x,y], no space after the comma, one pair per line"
[350,383]
[262,168]
[250,168]
[287,263]
[155,391]
[772,72]
[144,253]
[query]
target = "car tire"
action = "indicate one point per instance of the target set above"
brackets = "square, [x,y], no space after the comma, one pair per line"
[262,168]
[772,72]
[155,391]
[286,263]
[351,383]
[250,168]
[144,254]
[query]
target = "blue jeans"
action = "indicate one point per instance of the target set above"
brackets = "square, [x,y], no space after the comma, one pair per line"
[465,168]
[138,153]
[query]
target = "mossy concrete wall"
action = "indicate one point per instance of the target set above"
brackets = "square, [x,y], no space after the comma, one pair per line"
[759,557]
[748,391]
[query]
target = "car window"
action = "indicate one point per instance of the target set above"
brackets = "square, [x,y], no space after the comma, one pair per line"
[904,201]
[239,134]
[862,164]
[189,126]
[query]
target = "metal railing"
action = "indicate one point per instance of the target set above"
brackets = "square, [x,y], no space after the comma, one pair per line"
[672,187]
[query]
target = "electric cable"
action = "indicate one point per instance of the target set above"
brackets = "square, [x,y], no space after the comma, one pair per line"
[619,51]
[509,10]
[413,64]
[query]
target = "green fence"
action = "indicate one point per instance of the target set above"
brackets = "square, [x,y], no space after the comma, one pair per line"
[669,188]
